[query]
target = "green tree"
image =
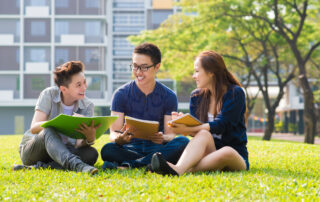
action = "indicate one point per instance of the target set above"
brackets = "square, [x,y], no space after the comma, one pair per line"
[297,21]
[246,34]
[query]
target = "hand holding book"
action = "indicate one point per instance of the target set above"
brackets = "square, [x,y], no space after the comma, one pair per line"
[124,135]
[143,129]
[182,123]
[89,131]
[175,115]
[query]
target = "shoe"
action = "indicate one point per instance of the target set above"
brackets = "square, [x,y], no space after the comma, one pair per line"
[160,165]
[109,165]
[93,171]
[125,165]
[89,169]
[22,167]
[148,169]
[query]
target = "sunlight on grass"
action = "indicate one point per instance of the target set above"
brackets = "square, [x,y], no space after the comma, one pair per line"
[279,171]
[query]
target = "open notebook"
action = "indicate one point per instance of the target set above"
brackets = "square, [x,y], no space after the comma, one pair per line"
[187,119]
[142,128]
[66,124]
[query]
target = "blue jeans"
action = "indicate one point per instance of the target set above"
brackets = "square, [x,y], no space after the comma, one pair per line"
[139,153]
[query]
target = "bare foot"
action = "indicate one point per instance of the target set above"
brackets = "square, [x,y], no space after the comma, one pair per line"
[176,168]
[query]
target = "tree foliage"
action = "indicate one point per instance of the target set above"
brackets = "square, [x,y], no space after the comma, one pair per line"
[262,41]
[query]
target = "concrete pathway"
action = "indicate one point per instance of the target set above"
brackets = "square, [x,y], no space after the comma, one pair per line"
[286,136]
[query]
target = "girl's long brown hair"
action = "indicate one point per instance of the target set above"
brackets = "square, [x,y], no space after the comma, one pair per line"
[222,79]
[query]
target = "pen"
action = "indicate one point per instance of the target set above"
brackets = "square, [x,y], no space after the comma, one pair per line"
[118,131]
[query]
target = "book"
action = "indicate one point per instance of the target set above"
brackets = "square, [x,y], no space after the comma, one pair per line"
[186,119]
[66,124]
[142,128]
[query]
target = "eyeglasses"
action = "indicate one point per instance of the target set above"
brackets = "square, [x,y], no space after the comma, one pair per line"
[142,68]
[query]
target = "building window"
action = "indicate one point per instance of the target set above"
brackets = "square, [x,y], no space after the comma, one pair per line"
[136,19]
[94,83]
[96,87]
[18,56]
[122,42]
[128,28]
[120,18]
[37,59]
[37,55]
[10,87]
[93,28]
[62,56]
[18,29]
[92,55]
[92,3]
[9,58]
[37,2]
[10,7]
[38,28]
[61,28]
[62,3]
[34,84]
[11,28]
[128,4]
[38,83]
[121,65]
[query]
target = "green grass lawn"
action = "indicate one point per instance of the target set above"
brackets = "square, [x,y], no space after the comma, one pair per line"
[279,171]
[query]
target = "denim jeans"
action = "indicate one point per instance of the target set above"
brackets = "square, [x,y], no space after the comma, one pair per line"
[46,149]
[139,153]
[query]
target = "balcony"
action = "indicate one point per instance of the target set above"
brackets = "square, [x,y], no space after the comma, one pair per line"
[80,7]
[92,57]
[37,11]
[9,89]
[37,67]
[77,32]
[6,95]
[6,39]
[72,39]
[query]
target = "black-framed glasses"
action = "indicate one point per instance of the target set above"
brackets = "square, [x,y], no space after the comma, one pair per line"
[142,68]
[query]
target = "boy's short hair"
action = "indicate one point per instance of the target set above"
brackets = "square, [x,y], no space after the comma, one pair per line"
[64,72]
[150,50]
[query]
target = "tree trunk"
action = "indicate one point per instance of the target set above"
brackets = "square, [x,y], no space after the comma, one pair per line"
[309,113]
[310,120]
[270,126]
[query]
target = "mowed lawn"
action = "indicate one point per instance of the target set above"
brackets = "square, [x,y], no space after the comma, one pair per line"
[279,171]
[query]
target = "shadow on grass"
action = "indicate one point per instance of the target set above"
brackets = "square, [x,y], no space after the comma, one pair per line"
[258,171]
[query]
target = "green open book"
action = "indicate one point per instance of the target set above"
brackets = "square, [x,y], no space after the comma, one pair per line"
[67,124]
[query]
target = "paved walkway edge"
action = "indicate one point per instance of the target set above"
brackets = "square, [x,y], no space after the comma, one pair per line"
[286,136]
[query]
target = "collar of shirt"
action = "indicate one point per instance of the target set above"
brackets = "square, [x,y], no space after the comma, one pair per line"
[140,93]
[80,104]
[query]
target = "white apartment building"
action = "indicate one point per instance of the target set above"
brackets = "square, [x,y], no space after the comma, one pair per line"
[38,35]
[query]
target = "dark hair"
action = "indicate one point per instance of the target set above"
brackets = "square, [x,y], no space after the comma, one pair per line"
[64,72]
[150,50]
[222,79]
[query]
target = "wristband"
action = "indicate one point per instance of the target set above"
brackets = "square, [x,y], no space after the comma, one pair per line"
[90,143]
